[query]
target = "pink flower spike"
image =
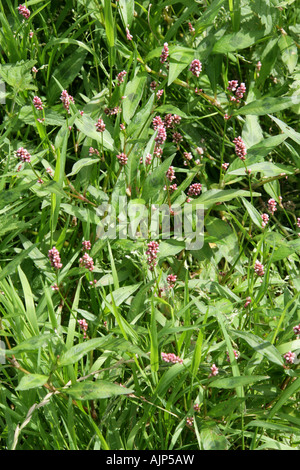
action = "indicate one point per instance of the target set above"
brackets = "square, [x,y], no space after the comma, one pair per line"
[232,85]
[83,326]
[164,53]
[171,280]
[37,103]
[196,67]
[297,329]
[66,99]
[171,174]
[265,220]
[86,262]
[100,126]
[214,370]
[128,35]
[153,248]
[23,155]
[240,148]
[54,258]
[259,268]
[86,245]
[248,302]
[290,357]
[195,189]
[120,77]
[23,10]
[170,357]
[122,157]
[272,205]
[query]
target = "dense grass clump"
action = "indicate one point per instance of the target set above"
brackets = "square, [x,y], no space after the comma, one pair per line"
[118,118]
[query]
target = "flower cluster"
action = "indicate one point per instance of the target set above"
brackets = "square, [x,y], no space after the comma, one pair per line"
[196,67]
[112,111]
[214,370]
[248,302]
[100,126]
[161,135]
[195,189]
[170,357]
[259,268]
[50,171]
[157,122]
[265,219]
[87,262]
[23,155]
[148,159]
[54,258]
[187,157]
[171,174]
[83,326]
[297,329]
[233,86]
[289,357]
[171,280]
[164,53]
[272,206]
[240,148]
[159,94]
[38,104]
[190,421]
[191,28]
[236,355]
[66,99]
[298,222]
[120,77]
[23,10]
[171,120]
[128,35]
[176,137]
[153,248]
[122,157]
[93,151]
[86,245]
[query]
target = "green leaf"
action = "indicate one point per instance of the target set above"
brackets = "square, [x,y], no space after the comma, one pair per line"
[264,147]
[253,213]
[268,105]
[155,181]
[289,54]
[266,168]
[170,109]
[32,381]
[18,75]
[65,74]
[263,347]
[31,344]
[213,439]
[237,41]
[289,131]
[233,382]
[179,60]
[82,163]
[274,427]
[109,23]
[87,126]
[96,390]
[11,267]
[75,353]
[133,92]
[127,12]
[212,196]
